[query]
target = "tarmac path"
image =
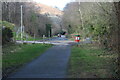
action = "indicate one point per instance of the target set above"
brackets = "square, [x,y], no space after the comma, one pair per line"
[51,64]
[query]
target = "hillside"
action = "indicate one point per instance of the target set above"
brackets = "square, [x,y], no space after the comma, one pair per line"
[54,14]
[48,9]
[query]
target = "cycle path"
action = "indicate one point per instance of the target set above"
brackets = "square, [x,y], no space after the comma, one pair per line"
[51,64]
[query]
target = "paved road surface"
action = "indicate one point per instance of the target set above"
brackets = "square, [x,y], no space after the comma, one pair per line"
[51,64]
[54,41]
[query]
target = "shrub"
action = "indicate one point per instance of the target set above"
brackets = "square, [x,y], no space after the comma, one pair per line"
[7,31]
[7,35]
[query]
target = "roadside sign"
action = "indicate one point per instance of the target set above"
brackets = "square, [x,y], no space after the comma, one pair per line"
[77,38]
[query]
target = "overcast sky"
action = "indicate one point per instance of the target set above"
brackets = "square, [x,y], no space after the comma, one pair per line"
[61,3]
[58,3]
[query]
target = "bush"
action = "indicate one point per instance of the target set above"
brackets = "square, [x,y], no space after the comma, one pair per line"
[7,31]
[7,35]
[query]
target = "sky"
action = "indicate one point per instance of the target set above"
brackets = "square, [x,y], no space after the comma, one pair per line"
[61,3]
[58,3]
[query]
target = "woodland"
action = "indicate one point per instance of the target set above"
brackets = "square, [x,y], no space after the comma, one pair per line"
[97,20]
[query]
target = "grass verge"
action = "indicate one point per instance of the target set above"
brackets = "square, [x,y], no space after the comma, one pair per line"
[90,61]
[16,55]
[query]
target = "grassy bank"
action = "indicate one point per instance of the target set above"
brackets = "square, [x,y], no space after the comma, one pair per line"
[90,61]
[16,55]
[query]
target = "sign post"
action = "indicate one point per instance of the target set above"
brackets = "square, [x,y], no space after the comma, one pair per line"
[43,39]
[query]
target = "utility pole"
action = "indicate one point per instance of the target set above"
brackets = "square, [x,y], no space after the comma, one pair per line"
[21,24]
